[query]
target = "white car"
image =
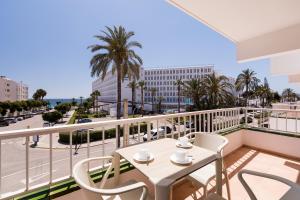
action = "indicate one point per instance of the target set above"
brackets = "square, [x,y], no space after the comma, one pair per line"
[153,133]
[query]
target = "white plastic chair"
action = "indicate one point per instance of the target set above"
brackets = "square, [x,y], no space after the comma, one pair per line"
[204,175]
[137,190]
[292,194]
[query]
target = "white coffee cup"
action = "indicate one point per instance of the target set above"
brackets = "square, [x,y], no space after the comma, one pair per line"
[183,141]
[180,155]
[143,154]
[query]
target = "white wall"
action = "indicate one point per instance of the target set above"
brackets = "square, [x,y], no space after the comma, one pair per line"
[281,144]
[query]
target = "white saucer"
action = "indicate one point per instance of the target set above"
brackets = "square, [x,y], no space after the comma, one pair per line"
[187,161]
[137,158]
[188,145]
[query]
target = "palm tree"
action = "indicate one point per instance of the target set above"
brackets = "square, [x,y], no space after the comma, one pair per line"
[39,94]
[133,85]
[194,90]
[159,99]
[217,89]
[116,52]
[142,87]
[94,95]
[179,83]
[264,92]
[153,93]
[288,94]
[247,81]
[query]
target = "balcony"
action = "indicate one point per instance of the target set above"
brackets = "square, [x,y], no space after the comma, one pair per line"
[267,141]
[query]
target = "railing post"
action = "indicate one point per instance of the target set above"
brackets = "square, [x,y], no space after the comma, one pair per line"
[71,153]
[51,157]
[296,124]
[246,120]
[0,167]
[139,130]
[103,143]
[88,147]
[125,127]
[172,127]
[148,131]
[27,162]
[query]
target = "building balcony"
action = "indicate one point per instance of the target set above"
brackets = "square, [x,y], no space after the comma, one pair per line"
[267,142]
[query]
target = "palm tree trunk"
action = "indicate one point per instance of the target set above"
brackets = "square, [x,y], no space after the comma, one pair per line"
[178,99]
[247,90]
[119,83]
[132,99]
[142,93]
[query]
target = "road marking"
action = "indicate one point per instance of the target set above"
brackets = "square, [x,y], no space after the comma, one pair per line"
[36,177]
[56,161]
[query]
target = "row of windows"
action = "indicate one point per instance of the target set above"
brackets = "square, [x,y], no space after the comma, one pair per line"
[174,77]
[148,94]
[166,100]
[177,71]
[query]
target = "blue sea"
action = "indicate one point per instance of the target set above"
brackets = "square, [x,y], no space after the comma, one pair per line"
[54,102]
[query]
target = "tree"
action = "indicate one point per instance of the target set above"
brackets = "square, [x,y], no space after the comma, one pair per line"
[159,99]
[194,90]
[4,107]
[73,103]
[52,117]
[133,85]
[289,94]
[153,93]
[142,88]
[263,92]
[63,108]
[246,81]
[217,89]
[116,52]
[94,95]
[276,96]
[39,94]
[179,83]
[12,107]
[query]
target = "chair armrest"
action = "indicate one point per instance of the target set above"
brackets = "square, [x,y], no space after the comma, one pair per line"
[260,174]
[121,190]
[222,146]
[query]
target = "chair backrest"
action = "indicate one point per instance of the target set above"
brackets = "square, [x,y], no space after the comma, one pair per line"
[83,179]
[211,141]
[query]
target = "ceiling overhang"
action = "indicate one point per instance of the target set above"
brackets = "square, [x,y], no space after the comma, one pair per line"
[259,28]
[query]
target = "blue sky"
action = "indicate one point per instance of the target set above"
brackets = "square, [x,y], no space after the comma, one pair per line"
[44,43]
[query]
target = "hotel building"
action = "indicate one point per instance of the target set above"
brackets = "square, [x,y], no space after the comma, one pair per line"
[162,79]
[11,90]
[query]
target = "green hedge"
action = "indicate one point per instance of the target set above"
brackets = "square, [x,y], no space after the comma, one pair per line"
[97,135]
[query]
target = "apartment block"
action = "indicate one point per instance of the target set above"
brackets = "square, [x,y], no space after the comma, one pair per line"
[163,80]
[11,90]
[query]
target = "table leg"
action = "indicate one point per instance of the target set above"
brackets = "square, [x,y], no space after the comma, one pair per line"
[116,163]
[219,176]
[162,193]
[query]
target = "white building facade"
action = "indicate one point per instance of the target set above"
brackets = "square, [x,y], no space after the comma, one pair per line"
[108,90]
[163,80]
[11,90]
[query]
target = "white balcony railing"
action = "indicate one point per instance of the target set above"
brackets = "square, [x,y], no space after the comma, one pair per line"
[283,120]
[23,168]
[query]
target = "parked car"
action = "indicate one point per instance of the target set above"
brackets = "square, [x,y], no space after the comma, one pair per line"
[84,120]
[46,124]
[188,125]
[19,118]
[4,123]
[11,120]
[153,132]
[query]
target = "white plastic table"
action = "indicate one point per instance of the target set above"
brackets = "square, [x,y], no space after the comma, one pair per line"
[161,171]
